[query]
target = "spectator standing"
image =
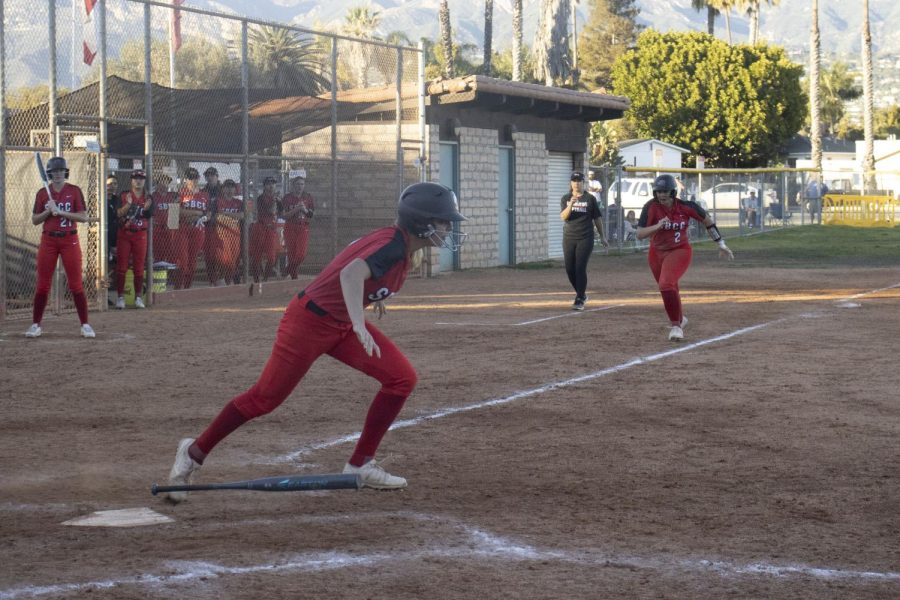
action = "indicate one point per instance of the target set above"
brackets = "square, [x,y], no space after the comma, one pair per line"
[815,191]
[299,207]
[751,209]
[58,214]
[263,233]
[136,206]
[580,213]
[191,228]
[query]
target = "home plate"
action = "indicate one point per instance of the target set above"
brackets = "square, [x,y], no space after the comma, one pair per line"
[125,517]
[848,304]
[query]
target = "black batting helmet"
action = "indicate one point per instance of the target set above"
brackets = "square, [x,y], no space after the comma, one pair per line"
[422,203]
[57,163]
[665,183]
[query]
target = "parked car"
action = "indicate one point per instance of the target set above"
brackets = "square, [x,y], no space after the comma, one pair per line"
[728,196]
[636,191]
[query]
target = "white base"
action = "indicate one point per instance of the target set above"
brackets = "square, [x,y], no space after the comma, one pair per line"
[125,517]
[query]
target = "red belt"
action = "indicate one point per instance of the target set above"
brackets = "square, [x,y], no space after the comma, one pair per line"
[60,233]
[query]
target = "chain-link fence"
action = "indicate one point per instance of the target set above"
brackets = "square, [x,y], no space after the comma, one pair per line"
[740,201]
[266,147]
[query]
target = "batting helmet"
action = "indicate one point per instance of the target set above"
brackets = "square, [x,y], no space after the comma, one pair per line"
[57,163]
[422,203]
[665,183]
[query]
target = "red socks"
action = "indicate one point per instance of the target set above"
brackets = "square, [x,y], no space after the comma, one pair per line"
[382,412]
[229,419]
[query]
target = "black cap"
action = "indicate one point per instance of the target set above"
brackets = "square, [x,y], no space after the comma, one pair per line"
[577,176]
[269,180]
[229,183]
[211,171]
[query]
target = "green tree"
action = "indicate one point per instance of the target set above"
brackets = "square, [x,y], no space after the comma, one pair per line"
[604,144]
[611,29]
[285,59]
[736,105]
[887,121]
[837,88]
[30,96]
[502,65]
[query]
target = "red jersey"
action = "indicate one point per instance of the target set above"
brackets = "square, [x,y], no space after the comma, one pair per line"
[161,201]
[232,206]
[68,199]
[385,250]
[675,235]
[193,200]
[266,209]
[140,222]
[290,202]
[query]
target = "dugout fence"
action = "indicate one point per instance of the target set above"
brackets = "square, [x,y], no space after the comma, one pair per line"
[140,84]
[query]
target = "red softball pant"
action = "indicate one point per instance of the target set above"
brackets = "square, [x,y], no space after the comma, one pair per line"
[303,336]
[296,241]
[263,247]
[133,245]
[668,266]
[189,244]
[69,249]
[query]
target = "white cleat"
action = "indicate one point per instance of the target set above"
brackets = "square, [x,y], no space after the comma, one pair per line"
[676,334]
[182,470]
[120,303]
[87,331]
[139,302]
[34,331]
[374,476]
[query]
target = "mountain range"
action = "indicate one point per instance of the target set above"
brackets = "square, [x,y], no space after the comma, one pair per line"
[786,24]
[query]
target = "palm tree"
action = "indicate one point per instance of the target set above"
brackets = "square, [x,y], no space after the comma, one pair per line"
[285,59]
[868,108]
[552,59]
[724,7]
[446,38]
[753,12]
[836,87]
[815,124]
[711,13]
[488,34]
[517,41]
[360,23]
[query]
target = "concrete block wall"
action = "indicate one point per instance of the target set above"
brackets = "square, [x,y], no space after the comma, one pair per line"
[531,197]
[478,189]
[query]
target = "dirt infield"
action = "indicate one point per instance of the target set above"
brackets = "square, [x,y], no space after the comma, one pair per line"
[550,454]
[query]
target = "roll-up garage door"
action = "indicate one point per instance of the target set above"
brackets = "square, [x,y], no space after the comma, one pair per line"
[559,170]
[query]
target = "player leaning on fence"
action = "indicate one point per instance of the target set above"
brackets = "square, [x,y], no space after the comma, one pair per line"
[665,220]
[327,318]
[58,215]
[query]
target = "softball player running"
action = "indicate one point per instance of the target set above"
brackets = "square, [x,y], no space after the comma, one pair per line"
[666,219]
[59,238]
[327,318]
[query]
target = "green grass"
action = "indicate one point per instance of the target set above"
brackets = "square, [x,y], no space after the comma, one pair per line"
[817,246]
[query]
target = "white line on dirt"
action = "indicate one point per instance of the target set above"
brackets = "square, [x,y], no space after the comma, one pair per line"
[570,313]
[476,544]
[446,412]
[641,360]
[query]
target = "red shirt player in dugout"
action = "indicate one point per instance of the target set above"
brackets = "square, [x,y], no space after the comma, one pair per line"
[328,318]
[666,219]
[58,215]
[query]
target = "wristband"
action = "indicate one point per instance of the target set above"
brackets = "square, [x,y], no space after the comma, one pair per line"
[722,245]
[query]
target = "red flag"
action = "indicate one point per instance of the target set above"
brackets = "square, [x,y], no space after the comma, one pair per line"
[88,55]
[176,24]
[89,6]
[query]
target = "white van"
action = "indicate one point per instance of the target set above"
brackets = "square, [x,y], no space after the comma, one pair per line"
[636,191]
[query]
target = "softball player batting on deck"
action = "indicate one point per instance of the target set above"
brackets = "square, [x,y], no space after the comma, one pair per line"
[58,214]
[327,318]
[666,219]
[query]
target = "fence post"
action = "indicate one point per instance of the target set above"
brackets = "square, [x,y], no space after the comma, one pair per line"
[334,174]
[2,167]
[399,120]
[103,159]
[148,151]
[245,150]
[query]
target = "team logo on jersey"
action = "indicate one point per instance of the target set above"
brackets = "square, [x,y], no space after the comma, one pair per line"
[380,294]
